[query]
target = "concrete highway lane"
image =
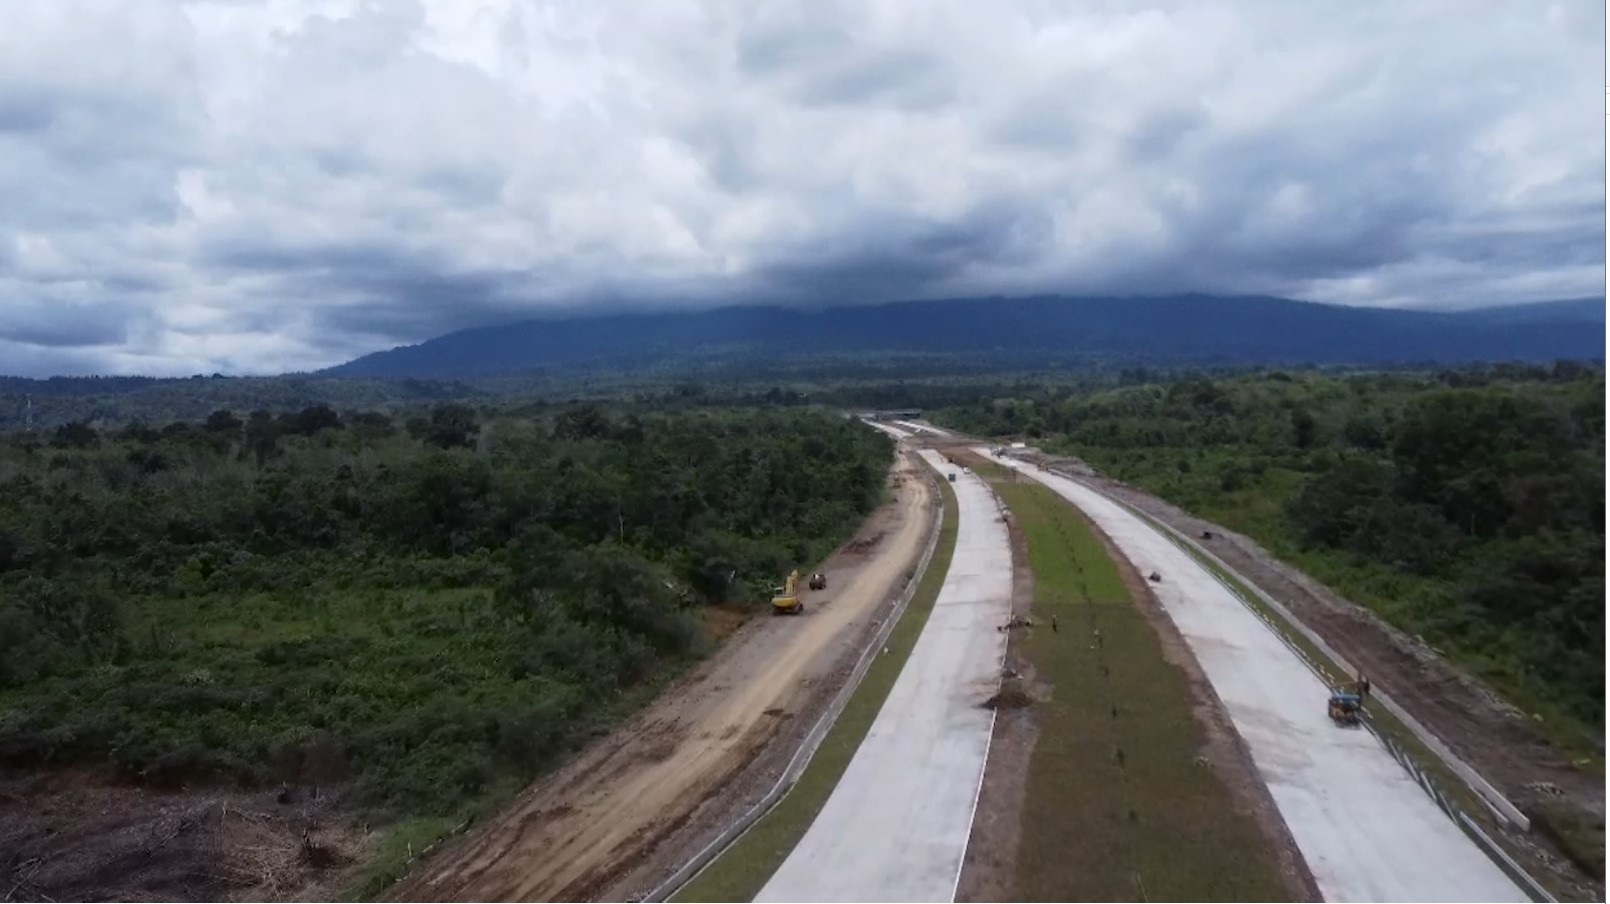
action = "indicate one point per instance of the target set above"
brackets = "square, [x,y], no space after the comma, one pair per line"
[924,428]
[897,824]
[1366,830]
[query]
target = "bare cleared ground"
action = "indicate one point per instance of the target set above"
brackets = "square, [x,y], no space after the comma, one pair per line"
[75,836]
[632,807]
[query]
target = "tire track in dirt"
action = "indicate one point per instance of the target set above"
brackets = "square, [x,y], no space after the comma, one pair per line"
[609,819]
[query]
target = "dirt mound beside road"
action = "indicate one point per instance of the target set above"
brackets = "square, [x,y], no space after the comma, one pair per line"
[1012,695]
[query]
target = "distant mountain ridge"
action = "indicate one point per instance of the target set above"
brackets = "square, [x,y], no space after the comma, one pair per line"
[1575,310]
[1173,329]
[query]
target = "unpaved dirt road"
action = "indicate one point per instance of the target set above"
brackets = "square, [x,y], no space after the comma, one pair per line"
[624,812]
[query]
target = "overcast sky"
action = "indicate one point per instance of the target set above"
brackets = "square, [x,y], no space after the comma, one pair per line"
[254,187]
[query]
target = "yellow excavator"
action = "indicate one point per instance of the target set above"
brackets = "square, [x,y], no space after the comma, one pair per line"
[786,600]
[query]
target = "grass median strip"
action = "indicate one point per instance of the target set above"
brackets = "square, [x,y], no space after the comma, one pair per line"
[1121,803]
[742,870]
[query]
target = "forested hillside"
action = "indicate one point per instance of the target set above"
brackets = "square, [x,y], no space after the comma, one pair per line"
[116,401]
[47,404]
[1466,507]
[1010,333]
[423,611]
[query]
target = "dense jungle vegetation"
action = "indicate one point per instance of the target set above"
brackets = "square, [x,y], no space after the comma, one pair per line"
[893,380]
[429,608]
[1465,506]
[430,601]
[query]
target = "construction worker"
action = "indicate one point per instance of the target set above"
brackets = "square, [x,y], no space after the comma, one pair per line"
[1363,686]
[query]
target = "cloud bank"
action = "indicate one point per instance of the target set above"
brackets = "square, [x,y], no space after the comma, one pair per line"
[266,186]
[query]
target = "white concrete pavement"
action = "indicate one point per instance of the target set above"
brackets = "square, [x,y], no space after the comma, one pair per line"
[924,428]
[1366,830]
[896,826]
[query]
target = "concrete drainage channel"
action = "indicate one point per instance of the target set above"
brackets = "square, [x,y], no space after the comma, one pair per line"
[1500,806]
[818,732]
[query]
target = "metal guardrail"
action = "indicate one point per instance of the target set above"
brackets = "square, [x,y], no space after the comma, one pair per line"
[1501,807]
[813,740]
[1449,807]
[1471,828]
[1495,800]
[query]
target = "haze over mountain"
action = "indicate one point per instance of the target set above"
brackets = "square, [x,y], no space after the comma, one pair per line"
[1022,331]
[262,186]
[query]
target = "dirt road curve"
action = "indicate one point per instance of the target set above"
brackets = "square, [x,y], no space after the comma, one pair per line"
[622,814]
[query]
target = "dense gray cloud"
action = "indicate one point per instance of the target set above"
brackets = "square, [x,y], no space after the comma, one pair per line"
[261,186]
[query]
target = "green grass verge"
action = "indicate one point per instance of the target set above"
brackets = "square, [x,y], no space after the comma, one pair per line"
[1580,832]
[1119,807]
[1189,478]
[388,859]
[743,869]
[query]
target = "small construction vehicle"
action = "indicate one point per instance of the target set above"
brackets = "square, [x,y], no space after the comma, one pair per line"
[1344,707]
[818,581]
[952,476]
[785,600]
